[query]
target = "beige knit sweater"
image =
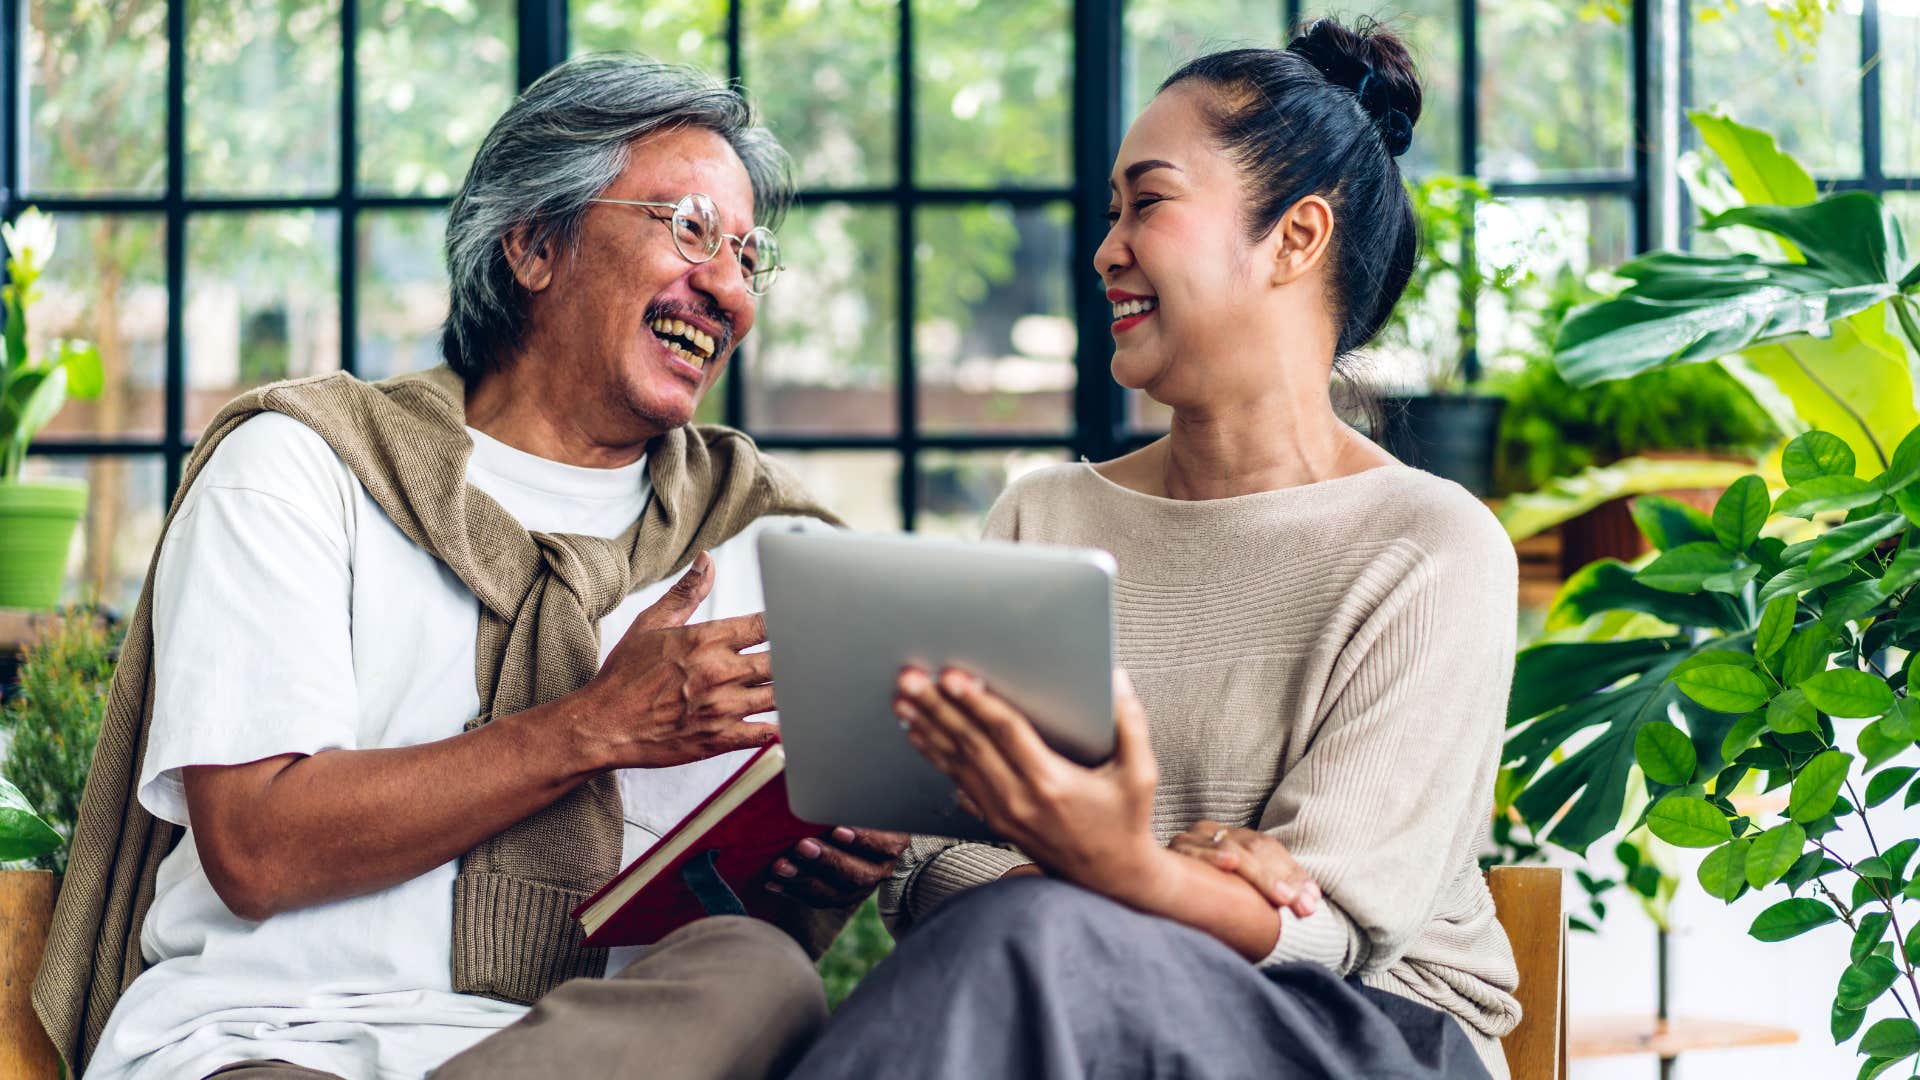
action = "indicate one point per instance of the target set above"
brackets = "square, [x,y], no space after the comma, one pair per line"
[1328,663]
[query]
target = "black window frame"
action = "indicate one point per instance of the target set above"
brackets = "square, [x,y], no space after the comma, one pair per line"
[1099,427]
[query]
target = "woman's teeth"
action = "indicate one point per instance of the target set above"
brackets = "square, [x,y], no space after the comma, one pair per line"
[1125,308]
[687,342]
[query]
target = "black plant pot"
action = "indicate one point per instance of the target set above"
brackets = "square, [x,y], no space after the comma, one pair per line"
[1450,435]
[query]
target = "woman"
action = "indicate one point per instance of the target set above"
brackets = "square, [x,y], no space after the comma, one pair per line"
[1285,884]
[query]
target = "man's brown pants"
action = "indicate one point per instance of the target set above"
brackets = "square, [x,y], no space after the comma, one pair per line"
[724,997]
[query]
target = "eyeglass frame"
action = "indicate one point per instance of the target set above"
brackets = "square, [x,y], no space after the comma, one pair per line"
[739,242]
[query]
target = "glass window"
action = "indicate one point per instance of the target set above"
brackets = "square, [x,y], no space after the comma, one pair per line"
[679,31]
[107,283]
[993,92]
[95,82]
[1161,35]
[126,504]
[862,486]
[1807,94]
[957,488]
[402,283]
[823,357]
[1555,89]
[1544,238]
[262,303]
[1900,87]
[433,78]
[263,97]
[994,337]
[826,75]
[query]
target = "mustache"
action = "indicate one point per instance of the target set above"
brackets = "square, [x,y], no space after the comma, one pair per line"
[711,314]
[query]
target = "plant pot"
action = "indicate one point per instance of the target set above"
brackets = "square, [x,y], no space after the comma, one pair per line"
[26,914]
[1450,435]
[37,523]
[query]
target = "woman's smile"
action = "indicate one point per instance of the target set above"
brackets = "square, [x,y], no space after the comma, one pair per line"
[1130,309]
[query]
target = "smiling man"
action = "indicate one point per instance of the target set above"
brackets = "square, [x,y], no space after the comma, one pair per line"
[422,663]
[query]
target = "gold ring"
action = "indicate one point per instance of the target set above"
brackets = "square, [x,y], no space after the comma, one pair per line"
[1218,836]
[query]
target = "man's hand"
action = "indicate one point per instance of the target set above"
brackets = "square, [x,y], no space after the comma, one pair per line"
[670,693]
[839,869]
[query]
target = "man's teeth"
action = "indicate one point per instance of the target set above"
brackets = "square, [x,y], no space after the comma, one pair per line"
[689,342]
[1134,307]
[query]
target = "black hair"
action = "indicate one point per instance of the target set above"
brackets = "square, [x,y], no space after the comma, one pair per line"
[1326,116]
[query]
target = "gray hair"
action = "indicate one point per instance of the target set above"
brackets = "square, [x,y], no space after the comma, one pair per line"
[557,147]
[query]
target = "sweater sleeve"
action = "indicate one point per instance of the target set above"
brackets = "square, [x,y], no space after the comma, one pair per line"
[1397,782]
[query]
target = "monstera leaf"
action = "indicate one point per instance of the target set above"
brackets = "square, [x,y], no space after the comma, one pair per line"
[1685,307]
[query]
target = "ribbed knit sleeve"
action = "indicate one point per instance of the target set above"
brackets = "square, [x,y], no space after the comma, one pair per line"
[1405,752]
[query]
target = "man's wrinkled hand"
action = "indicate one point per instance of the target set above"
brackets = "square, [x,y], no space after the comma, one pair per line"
[839,869]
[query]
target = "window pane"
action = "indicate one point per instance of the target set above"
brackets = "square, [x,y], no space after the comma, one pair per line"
[679,31]
[1163,34]
[125,507]
[1807,96]
[822,357]
[1899,87]
[403,291]
[862,486]
[993,92]
[993,331]
[1906,206]
[433,78]
[957,488]
[263,97]
[261,305]
[1555,89]
[95,77]
[827,75]
[107,283]
[1547,238]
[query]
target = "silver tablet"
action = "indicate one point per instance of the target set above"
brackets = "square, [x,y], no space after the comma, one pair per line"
[846,611]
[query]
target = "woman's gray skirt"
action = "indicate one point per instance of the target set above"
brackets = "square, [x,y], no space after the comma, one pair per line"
[1035,978]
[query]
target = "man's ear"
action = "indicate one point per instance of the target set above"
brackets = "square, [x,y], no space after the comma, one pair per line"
[1304,233]
[532,267]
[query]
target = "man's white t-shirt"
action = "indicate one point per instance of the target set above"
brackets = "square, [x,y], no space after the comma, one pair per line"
[292,616]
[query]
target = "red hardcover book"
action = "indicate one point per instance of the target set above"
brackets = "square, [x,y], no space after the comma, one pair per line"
[745,823]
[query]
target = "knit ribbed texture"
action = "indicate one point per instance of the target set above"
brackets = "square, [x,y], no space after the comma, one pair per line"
[1328,663]
[542,597]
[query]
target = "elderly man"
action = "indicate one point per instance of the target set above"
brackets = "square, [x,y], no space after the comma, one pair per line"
[417,668]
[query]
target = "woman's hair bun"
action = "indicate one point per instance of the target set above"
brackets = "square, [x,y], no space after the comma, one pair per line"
[1371,61]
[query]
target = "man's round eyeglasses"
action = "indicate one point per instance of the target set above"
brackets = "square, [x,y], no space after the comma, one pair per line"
[695,225]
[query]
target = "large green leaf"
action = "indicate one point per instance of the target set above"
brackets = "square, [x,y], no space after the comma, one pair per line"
[1609,585]
[23,835]
[1773,853]
[1665,754]
[1740,512]
[1685,568]
[1723,688]
[1854,539]
[1851,236]
[1849,693]
[1760,170]
[1590,784]
[1684,308]
[1865,981]
[1550,675]
[1570,496]
[1892,1039]
[1857,375]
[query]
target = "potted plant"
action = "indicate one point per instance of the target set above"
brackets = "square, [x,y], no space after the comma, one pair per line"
[1759,663]
[1443,425]
[37,520]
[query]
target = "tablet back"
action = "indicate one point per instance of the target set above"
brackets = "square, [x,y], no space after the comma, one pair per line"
[846,611]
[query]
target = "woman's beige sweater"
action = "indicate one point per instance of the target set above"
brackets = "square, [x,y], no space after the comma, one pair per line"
[1328,663]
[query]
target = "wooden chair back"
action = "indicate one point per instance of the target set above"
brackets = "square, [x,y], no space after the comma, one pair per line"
[1527,901]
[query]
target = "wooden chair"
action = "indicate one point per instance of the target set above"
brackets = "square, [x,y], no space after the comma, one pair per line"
[1527,901]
